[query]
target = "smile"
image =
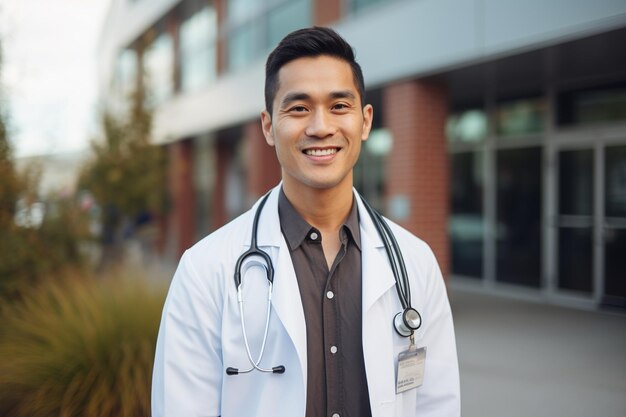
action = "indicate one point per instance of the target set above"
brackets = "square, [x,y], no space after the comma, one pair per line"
[321,152]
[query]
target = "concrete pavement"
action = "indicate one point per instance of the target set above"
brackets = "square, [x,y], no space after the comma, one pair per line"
[521,358]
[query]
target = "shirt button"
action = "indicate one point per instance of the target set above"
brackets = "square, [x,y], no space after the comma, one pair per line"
[330,295]
[333,349]
[314,236]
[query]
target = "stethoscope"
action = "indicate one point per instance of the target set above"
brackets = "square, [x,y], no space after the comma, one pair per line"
[404,322]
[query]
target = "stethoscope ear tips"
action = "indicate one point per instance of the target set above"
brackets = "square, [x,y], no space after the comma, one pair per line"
[278,369]
[232,371]
[407,321]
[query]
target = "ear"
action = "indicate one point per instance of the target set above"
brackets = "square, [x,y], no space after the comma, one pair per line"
[266,124]
[368,114]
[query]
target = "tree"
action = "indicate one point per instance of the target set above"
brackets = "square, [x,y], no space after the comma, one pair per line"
[126,174]
[31,254]
[9,182]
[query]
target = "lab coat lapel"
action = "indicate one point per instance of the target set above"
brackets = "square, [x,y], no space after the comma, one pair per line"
[377,318]
[286,301]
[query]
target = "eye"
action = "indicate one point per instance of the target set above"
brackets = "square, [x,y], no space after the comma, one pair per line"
[340,106]
[298,109]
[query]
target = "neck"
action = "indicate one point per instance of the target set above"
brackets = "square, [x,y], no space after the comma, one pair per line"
[324,209]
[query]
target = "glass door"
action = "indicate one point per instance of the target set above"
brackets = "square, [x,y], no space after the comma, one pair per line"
[574,221]
[614,226]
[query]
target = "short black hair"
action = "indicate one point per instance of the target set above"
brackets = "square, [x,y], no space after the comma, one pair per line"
[309,42]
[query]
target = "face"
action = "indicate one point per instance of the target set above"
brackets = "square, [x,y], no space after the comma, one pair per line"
[318,123]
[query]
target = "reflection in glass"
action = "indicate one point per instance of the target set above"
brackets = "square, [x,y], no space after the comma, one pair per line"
[615,226]
[467,126]
[242,47]
[358,5]
[576,182]
[198,49]
[256,27]
[518,216]
[240,10]
[126,73]
[286,18]
[159,62]
[575,254]
[521,117]
[369,171]
[575,259]
[615,267]
[600,105]
[465,225]
[615,174]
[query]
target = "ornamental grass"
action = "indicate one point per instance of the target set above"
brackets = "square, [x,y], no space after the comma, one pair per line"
[80,347]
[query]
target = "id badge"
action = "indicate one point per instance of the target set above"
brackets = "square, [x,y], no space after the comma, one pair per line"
[411,365]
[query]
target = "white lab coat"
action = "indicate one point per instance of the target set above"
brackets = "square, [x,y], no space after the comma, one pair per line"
[200,334]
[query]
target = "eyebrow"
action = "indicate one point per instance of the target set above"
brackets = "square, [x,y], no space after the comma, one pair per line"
[299,96]
[291,97]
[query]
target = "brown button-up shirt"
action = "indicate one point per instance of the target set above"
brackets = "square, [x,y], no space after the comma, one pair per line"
[331,299]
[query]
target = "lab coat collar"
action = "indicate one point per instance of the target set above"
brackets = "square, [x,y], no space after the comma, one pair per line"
[286,301]
[378,353]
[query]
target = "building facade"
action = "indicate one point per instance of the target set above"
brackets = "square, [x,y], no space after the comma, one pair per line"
[499,132]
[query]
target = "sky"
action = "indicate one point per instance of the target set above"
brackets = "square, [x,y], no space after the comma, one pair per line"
[49,73]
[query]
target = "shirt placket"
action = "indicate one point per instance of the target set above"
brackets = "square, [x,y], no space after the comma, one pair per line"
[332,338]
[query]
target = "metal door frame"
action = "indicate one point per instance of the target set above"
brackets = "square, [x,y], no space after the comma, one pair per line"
[595,138]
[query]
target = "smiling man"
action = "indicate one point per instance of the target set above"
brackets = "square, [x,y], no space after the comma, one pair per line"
[310,304]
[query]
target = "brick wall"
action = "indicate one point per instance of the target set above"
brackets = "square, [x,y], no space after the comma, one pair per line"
[183,203]
[417,170]
[263,170]
[326,12]
[223,154]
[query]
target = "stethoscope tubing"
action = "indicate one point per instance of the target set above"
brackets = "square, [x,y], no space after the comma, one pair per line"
[395,255]
[255,364]
[396,261]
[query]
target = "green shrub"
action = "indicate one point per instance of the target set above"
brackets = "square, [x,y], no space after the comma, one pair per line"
[32,255]
[80,348]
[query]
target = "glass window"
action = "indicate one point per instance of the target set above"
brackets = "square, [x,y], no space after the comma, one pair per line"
[126,73]
[467,126]
[615,226]
[198,36]
[521,117]
[204,160]
[256,27]
[287,18]
[615,178]
[242,46]
[575,221]
[599,105]
[518,231]
[241,10]
[369,172]
[358,5]
[576,182]
[465,225]
[159,60]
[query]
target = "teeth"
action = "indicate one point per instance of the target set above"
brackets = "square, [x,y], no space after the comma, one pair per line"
[321,152]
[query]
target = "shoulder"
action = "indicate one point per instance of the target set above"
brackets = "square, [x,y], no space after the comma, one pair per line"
[212,258]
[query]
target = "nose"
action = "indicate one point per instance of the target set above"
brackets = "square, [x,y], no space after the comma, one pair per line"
[320,125]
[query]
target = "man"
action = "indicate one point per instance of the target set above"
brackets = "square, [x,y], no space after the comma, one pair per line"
[330,334]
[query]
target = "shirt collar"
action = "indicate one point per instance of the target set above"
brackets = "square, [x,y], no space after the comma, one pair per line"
[296,229]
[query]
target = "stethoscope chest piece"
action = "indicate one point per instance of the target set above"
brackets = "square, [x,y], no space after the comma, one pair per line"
[407,321]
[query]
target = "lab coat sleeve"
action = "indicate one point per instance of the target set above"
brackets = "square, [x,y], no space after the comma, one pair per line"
[187,376]
[442,396]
